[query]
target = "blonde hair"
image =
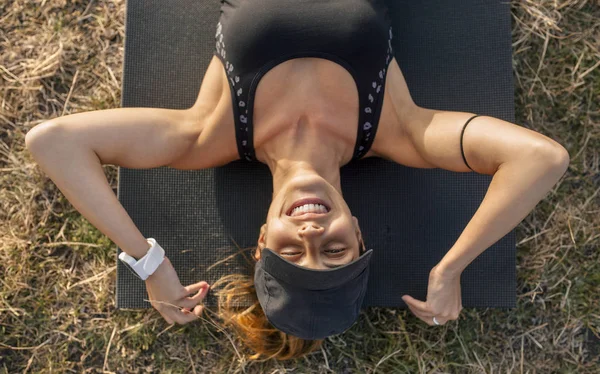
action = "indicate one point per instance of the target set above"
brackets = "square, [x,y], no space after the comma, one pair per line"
[252,326]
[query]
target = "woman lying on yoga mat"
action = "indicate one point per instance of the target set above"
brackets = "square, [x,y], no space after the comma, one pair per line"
[291,89]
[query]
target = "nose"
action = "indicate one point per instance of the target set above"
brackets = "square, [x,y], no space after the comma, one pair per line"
[310,230]
[309,233]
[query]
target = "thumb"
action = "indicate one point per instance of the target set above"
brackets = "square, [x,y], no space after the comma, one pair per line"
[198,310]
[412,301]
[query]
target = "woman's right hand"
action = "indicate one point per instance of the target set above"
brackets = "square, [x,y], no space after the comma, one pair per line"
[164,286]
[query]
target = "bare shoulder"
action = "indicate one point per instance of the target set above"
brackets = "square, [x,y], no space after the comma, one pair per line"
[428,138]
[398,120]
[213,117]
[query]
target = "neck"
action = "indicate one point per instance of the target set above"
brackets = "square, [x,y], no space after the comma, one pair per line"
[305,149]
[285,169]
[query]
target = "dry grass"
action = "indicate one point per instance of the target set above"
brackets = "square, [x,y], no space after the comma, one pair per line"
[57,300]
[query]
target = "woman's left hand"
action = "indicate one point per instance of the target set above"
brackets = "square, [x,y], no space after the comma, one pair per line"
[444,301]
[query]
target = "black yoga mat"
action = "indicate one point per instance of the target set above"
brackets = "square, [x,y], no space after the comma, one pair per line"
[455,55]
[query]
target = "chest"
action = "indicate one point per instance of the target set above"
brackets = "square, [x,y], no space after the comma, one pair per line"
[307,90]
[312,88]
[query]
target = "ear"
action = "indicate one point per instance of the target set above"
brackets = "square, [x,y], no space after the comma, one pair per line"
[261,241]
[357,227]
[358,232]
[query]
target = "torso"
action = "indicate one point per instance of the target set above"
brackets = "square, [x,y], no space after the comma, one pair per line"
[317,84]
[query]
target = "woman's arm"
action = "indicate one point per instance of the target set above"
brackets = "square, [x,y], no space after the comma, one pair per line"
[516,188]
[525,165]
[72,149]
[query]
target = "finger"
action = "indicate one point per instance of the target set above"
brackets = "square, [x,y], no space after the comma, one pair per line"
[420,312]
[197,311]
[428,319]
[196,287]
[182,318]
[191,301]
[417,304]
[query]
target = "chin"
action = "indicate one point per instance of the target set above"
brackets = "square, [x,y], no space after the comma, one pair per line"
[307,181]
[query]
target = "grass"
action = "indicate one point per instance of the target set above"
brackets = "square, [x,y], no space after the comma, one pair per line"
[57,278]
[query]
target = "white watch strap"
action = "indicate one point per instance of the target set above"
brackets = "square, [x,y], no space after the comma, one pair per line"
[148,264]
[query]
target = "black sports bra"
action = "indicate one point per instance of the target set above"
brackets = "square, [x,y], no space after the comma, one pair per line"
[253,36]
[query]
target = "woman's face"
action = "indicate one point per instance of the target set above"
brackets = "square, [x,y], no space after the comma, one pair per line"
[323,239]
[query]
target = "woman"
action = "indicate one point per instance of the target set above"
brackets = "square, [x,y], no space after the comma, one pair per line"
[289,88]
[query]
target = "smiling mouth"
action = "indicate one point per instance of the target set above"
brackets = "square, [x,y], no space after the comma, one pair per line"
[305,201]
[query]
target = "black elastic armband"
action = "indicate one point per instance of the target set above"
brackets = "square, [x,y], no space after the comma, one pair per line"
[461,141]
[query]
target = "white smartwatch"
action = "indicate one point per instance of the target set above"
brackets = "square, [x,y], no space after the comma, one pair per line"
[147,265]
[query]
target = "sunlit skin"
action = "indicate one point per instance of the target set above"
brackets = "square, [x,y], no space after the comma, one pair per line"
[305,168]
[311,241]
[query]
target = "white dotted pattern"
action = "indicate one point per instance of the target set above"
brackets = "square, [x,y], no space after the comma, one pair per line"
[220,46]
[376,89]
[376,86]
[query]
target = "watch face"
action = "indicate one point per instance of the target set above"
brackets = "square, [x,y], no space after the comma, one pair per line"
[131,270]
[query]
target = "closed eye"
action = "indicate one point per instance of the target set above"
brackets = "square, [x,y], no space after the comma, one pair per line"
[333,250]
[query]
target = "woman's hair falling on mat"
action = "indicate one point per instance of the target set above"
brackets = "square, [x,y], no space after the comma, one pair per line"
[304,87]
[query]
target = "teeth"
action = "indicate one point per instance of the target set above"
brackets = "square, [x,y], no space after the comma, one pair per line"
[309,208]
